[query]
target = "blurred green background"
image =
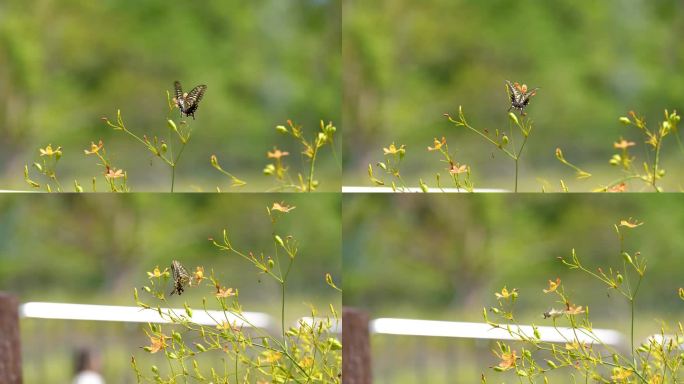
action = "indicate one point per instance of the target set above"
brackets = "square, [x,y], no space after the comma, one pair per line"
[443,257]
[97,249]
[406,63]
[66,64]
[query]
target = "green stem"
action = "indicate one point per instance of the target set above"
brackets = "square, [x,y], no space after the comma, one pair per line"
[282,312]
[655,163]
[517,158]
[632,304]
[173,176]
[463,123]
[173,166]
[516,176]
[311,170]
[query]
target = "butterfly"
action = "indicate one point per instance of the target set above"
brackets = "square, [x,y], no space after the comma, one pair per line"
[188,102]
[520,96]
[180,277]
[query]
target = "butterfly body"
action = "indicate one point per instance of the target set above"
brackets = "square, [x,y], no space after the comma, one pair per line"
[520,96]
[188,102]
[180,277]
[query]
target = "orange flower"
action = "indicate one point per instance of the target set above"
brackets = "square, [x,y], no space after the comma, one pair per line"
[574,310]
[113,173]
[623,144]
[437,144]
[456,169]
[225,292]
[157,343]
[276,154]
[507,360]
[630,223]
[94,148]
[282,207]
[622,187]
[553,285]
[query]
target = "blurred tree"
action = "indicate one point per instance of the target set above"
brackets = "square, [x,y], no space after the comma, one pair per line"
[407,63]
[63,65]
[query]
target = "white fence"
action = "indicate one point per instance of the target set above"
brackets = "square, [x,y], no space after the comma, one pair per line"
[410,327]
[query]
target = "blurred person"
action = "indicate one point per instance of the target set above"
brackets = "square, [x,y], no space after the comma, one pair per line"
[87,365]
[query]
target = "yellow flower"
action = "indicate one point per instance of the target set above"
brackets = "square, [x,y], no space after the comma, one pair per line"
[94,148]
[276,154]
[225,292]
[505,294]
[272,356]
[630,223]
[157,343]
[282,207]
[226,325]
[306,362]
[48,151]
[199,274]
[621,374]
[574,346]
[393,150]
[553,285]
[437,144]
[157,273]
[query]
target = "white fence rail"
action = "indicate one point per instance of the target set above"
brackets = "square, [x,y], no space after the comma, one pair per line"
[358,189]
[411,327]
[65,311]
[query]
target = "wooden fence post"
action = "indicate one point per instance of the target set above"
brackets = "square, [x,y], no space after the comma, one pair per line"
[356,357]
[10,351]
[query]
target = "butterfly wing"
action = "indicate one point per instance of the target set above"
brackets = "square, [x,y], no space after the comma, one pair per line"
[514,92]
[526,97]
[180,100]
[179,89]
[195,96]
[180,277]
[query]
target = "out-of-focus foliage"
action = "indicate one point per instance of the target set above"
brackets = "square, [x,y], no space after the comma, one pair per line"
[442,258]
[448,254]
[65,64]
[97,249]
[407,63]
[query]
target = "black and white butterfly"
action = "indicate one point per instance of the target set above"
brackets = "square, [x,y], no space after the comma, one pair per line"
[188,102]
[180,277]
[520,96]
